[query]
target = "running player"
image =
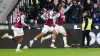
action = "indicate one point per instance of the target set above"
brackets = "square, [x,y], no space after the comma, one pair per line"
[59,26]
[48,27]
[18,29]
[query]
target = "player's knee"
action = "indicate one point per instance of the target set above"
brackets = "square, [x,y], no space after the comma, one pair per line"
[21,38]
[64,34]
[14,39]
[52,35]
[20,42]
[54,32]
[42,34]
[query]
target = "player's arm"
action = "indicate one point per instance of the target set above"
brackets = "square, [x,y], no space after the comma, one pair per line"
[43,16]
[68,7]
[64,18]
[14,20]
[55,17]
[51,15]
[22,20]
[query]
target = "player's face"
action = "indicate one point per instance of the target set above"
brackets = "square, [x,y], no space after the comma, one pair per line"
[62,9]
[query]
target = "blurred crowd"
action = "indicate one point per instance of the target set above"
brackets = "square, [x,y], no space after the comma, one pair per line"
[74,14]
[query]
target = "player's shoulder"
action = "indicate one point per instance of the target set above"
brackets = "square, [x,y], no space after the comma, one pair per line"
[58,13]
[51,12]
[23,15]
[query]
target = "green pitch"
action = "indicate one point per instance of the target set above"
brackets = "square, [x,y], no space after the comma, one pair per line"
[51,52]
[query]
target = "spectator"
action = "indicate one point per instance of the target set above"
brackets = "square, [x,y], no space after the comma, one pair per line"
[35,8]
[98,2]
[87,5]
[95,19]
[95,13]
[94,1]
[65,5]
[69,1]
[74,13]
[80,5]
[56,3]
[81,10]
[42,3]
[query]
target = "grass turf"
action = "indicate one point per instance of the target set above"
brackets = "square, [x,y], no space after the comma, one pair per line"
[51,52]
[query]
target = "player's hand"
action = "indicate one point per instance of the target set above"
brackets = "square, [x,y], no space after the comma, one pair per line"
[27,25]
[71,4]
[64,20]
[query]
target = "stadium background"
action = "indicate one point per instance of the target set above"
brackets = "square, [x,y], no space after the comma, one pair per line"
[6,22]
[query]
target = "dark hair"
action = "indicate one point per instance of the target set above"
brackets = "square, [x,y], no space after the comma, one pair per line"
[21,9]
[51,6]
[88,12]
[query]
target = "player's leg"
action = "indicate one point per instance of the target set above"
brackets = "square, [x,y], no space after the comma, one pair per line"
[65,39]
[53,38]
[19,43]
[38,36]
[44,31]
[63,32]
[47,37]
[6,35]
[20,34]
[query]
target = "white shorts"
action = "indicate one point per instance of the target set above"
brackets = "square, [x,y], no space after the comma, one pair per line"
[46,29]
[18,32]
[59,29]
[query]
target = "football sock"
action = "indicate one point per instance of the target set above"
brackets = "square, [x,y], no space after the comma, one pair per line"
[53,41]
[65,40]
[34,39]
[10,37]
[18,47]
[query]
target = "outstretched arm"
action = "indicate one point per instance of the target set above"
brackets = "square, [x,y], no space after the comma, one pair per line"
[22,20]
[43,16]
[68,7]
